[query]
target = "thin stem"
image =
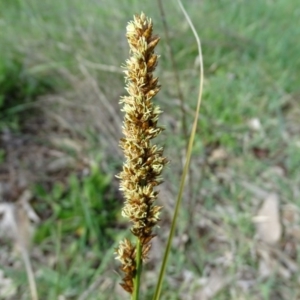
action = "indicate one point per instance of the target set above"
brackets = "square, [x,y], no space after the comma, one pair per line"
[179,94]
[175,71]
[188,159]
[29,271]
[139,265]
[21,236]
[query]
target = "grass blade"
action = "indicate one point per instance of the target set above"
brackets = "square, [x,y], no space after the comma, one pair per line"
[187,163]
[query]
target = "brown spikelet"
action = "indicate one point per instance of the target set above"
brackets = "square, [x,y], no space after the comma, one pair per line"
[126,255]
[144,161]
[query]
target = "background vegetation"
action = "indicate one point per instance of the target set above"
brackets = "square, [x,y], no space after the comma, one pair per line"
[60,83]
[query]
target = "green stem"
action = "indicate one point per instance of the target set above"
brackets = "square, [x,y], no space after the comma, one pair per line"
[139,265]
[187,162]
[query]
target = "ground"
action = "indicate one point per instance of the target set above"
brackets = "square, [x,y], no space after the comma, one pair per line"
[238,232]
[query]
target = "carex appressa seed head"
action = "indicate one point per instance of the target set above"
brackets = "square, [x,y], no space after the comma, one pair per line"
[144,160]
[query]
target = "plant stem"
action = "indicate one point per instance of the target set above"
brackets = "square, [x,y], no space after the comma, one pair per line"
[139,265]
[175,72]
[187,163]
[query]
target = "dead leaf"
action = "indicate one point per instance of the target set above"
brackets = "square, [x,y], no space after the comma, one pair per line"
[260,153]
[217,155]
[268,220]
[254,124]
[7,221]
[15,224]
[17,221]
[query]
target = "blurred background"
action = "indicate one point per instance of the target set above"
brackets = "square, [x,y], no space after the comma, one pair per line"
[60,123]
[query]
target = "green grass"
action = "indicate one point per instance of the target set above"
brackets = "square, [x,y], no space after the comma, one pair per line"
[81,208]
[80,230]
[18,91]
[252,70]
